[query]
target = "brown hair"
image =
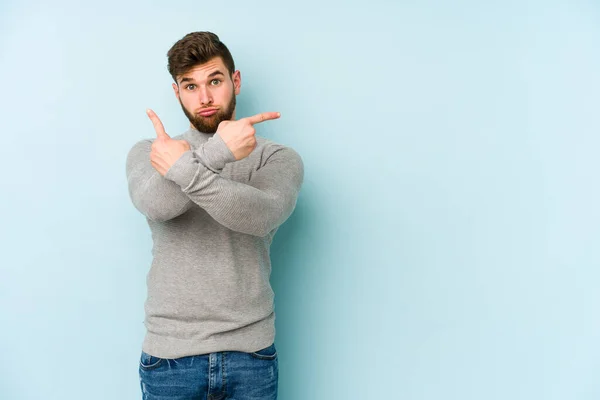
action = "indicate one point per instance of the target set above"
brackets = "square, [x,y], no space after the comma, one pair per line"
[197,48]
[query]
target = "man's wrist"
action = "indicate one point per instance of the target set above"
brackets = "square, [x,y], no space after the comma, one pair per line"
[183,170]
[214,154]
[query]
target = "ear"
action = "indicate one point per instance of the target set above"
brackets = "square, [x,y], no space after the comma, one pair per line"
[176,90]
[237,81]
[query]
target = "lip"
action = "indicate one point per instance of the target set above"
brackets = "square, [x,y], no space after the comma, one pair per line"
[207,112]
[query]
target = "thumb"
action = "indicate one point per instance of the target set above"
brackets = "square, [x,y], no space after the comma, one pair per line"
[158,126]
[224,123]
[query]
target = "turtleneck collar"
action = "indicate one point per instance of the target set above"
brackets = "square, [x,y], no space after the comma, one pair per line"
[195,137]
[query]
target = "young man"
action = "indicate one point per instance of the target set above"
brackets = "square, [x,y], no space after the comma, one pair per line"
[213,198]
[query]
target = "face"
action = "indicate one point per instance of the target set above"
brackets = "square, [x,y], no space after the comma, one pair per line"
[207,94]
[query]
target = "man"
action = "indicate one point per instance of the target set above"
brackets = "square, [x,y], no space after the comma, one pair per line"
[213,198]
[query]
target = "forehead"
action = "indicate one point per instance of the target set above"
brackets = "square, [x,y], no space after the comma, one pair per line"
[202,71]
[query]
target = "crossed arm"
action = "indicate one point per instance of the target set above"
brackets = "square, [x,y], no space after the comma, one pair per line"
[255,207]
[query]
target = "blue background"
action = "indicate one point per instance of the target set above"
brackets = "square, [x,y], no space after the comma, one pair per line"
[444,245]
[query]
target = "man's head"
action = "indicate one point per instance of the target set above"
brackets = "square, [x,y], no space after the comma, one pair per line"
[206,81]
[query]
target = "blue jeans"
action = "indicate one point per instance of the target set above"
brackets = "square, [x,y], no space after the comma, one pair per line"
[230,375]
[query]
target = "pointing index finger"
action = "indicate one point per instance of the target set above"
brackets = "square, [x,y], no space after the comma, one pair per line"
[255,119]
[158,126]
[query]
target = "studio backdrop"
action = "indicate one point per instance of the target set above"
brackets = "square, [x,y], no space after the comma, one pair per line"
[445,244]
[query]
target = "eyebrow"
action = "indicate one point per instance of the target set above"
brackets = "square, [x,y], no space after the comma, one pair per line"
[212,74]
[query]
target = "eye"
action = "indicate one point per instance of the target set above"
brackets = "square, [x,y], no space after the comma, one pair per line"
[191,86]
[215,82]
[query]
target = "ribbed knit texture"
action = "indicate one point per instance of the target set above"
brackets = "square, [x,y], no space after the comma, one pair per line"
[212,220]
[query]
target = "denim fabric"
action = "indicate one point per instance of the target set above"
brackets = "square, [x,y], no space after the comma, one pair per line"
[227,375]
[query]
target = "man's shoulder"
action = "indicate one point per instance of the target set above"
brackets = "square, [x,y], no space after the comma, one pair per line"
[146,143]
[270,145]
[270,150]
[138,148]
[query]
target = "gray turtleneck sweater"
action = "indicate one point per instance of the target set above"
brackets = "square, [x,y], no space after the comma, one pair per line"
[212,220]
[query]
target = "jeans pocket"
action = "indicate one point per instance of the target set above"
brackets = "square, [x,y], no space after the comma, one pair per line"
[148,362]
[268,353]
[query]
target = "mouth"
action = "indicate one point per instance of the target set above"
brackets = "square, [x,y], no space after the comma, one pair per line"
[207,112]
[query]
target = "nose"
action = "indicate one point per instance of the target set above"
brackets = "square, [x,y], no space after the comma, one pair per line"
[205,95]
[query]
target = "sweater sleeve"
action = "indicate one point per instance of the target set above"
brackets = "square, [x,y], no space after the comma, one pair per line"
[255,207]
[155,197]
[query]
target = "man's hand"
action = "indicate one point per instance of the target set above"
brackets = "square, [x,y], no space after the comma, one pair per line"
[165,151]
[239,135]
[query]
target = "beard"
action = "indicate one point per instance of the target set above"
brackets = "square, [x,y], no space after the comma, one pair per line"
[210,124]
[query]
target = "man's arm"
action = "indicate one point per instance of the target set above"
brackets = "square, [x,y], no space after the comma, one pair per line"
[255,207]
[155,197]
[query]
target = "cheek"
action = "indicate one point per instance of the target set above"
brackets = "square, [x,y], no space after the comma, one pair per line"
[186,99]
[224,94]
